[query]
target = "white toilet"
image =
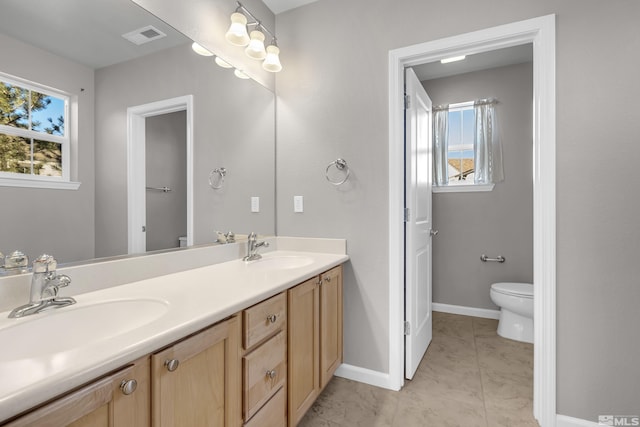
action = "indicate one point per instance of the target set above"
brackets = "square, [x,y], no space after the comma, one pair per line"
[516,310]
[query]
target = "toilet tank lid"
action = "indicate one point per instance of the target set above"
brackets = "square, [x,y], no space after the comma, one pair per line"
[512,288]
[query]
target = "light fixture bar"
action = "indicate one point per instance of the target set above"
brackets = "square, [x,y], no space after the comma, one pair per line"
[256,22]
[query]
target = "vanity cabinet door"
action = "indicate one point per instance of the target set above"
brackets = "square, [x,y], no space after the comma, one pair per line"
[120,399]
[330,324]
[303,348]
[196,382]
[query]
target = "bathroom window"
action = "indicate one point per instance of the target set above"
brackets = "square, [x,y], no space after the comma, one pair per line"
[460,168]
[34,136]
[467,153]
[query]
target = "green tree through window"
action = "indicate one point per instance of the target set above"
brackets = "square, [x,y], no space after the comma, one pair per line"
[32,130]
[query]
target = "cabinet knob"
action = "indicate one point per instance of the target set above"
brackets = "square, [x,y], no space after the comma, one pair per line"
[272,318]
[271,374]
[327,279]
[128,386]
[172,364]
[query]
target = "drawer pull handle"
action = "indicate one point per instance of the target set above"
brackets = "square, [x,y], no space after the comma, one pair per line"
[128,386]
[272,318]
[172,364]
[271,374]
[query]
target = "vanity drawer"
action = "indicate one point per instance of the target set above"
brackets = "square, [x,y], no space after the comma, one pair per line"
[273,414]
[264,319]
[265,372]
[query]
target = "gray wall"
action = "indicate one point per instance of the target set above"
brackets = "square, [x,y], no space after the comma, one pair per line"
[332,102]
[233,128]
[494,223]
[166,166]
[41,220]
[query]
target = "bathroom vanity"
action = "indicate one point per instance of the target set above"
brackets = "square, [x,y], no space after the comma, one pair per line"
[230,344]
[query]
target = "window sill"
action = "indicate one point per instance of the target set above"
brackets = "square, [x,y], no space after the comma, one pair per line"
[463,188]
[36,183]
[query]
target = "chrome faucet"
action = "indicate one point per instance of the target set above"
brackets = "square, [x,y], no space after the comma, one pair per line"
[252,247]
[45,285]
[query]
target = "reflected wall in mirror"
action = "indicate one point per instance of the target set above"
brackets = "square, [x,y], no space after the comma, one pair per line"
[77,47]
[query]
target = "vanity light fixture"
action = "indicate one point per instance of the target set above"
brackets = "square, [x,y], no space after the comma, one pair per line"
[200,50]
[239,36]
[452,59]
[256,49]
[237,33]
[272,61]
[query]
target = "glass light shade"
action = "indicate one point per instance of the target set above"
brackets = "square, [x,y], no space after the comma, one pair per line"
[200,50]
[240,74]
[237,33]
[255,49]
[221,62]
[272,61]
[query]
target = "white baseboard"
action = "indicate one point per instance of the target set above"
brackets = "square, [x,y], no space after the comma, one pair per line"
[367,376]
[466,311]
[565,421]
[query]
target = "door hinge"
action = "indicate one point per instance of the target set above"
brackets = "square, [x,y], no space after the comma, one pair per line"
[407,327]
[407,101]
[406,215]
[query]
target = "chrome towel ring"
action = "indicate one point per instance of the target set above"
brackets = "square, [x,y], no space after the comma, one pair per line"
[340,165]
[216,178]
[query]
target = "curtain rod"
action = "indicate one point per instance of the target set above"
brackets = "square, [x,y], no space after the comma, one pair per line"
[484,101]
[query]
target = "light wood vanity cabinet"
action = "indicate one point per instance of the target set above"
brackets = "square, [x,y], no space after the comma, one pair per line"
[265,363]
[119,399]
[263,367]
[315,339]
[196,382]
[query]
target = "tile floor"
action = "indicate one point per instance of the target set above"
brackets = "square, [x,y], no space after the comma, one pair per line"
[469,377]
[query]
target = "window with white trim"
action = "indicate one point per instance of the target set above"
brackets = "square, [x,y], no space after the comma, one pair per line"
[34,137]
[460,157]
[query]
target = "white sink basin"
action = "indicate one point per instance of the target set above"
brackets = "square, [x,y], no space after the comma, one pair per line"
[281,262]
[71,327]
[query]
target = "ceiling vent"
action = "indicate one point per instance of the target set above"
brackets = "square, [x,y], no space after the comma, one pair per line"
[144,35]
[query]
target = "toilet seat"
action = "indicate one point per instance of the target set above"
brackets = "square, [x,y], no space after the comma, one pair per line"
[522,290]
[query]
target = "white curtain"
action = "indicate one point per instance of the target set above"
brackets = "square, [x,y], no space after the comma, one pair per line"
[440,145]
[487,148]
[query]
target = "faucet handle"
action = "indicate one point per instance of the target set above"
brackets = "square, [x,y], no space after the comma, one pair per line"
[53,286]
[44,264]
[16,260]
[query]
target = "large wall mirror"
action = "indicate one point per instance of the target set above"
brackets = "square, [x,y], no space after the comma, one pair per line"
[77,46]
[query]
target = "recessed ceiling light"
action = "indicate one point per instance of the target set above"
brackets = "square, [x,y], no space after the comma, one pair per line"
[452,59]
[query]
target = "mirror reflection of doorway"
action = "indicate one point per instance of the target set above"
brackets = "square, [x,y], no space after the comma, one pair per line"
[166,181]
[138,180]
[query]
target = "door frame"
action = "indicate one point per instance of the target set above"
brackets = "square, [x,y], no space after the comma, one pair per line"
[541,33]
[136,193]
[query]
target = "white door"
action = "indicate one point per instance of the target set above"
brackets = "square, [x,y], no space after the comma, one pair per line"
[418,231]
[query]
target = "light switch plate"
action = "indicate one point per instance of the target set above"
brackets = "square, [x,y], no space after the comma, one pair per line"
[255,204]
[298,204]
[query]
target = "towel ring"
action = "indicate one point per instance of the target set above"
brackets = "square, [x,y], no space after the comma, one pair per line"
[341,165]
[218,175]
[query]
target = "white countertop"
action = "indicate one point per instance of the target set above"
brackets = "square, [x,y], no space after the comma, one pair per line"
[194,299]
